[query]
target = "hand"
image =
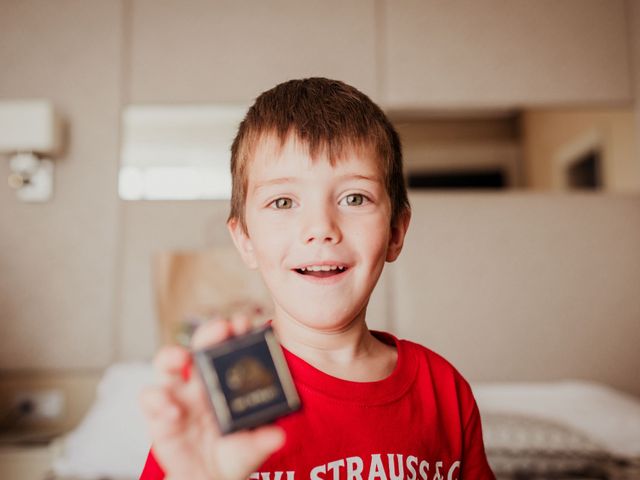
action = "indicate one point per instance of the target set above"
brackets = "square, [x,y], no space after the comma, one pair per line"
[186,441]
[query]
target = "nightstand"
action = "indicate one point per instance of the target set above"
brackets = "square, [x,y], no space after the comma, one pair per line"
[22,460]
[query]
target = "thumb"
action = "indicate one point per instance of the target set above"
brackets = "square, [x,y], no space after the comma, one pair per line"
[241,453]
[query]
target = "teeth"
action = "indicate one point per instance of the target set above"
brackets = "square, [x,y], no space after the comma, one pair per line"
[322,268]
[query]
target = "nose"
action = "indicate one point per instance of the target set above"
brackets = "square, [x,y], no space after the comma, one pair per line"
[321,226]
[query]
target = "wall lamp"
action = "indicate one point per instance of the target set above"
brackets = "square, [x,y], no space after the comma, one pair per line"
[30,132]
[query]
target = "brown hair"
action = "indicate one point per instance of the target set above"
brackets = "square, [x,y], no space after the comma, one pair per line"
[329,116]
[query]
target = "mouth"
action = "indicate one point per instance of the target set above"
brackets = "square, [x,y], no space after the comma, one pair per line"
[322,271]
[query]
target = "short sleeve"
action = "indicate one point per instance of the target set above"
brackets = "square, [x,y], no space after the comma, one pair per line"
[151,470]
[474,463]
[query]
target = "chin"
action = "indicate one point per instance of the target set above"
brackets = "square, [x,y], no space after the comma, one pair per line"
[327,320]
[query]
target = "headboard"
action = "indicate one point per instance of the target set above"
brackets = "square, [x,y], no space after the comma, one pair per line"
[508,286]
[524,286]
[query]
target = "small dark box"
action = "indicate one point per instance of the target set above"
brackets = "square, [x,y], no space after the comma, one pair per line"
[248,380]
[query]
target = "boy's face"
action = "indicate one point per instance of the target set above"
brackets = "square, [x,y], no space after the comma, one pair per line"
[302,216]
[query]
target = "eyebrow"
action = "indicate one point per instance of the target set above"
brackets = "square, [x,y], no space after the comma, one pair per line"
[283,180]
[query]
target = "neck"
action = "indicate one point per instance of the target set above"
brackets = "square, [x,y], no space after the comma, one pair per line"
[348,351]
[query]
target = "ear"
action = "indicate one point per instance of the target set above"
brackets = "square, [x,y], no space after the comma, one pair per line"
[242,242]
[398,232]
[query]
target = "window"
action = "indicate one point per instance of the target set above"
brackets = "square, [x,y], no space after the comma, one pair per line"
[177,152]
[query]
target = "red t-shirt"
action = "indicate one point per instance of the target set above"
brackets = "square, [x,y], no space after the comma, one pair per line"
[420,423]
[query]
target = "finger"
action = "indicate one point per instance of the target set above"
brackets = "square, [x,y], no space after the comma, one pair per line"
[241,323]
[165,417]
[210,333]
[243,452]
[157,403]
[171,360]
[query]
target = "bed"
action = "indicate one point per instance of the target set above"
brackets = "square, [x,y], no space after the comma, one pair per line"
[560,430]
[533,431]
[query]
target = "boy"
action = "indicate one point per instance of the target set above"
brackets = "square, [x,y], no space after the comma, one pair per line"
[318,205]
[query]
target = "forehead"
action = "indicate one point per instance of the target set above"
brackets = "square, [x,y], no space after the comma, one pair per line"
[293,156]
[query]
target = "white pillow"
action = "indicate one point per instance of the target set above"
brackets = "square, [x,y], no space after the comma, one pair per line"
[607,416]
[112,439]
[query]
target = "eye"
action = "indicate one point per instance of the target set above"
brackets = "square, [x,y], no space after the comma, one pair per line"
[353,199]
[282,203]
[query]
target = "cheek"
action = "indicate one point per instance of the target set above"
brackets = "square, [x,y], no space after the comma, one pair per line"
[378,227]
[372,238]
[269,243]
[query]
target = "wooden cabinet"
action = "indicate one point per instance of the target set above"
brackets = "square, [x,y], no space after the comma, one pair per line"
[228,51]
[503,53]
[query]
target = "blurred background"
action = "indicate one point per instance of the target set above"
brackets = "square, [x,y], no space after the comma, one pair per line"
[520,122]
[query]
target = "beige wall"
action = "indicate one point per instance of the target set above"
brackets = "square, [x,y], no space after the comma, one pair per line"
[524,286]
[58,259]
[550,134]
[633,20]
[74,290]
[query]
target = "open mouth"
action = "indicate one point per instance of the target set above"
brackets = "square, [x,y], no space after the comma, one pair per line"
[323,271]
